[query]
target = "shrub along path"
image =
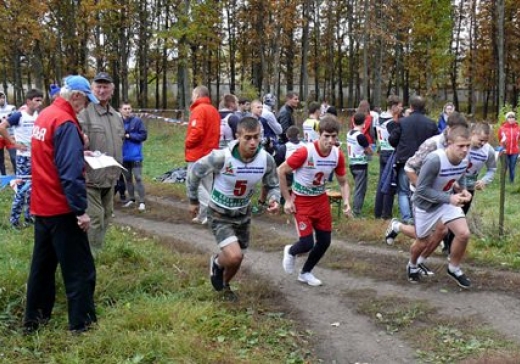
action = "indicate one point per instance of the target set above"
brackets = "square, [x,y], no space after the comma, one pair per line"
[366,311]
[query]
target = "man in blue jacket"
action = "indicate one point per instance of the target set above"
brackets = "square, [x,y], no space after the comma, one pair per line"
[135,135]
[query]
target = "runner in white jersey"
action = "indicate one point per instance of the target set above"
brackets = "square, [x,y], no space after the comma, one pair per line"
[237,169]
[309,204]
[22,123]
[436,207]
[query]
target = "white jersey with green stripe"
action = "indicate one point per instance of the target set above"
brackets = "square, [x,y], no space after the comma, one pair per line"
[235,184]
[356,153]
[309,179]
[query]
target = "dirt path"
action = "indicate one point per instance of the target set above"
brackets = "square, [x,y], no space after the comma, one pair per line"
[356,339]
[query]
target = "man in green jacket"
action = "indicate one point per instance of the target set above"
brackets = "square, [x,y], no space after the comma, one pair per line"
[104,132]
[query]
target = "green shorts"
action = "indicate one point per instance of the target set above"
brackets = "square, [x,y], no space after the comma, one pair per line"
[228,230]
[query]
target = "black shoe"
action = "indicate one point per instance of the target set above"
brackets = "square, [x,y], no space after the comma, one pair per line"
[460,278]
[229,295]
[30,328]
[425,271]
[29,220]
[216,274]
[414,275]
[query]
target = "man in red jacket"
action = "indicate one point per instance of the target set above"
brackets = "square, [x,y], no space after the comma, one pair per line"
[202,137]
[59,202]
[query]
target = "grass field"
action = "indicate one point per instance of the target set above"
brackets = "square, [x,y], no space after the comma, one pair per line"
[154,305]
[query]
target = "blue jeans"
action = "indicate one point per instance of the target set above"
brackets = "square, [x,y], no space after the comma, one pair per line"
[403,193]
[511,165]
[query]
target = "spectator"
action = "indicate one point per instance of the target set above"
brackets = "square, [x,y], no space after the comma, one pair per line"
[54,91]
[364,107]
[59,203]
[228,119]
[22,123]
[286,114]
[311,125]
[103,126]
[270,128]
[443,118]
[135,135]
[244,108]
[406,138]
[5,110]
[385,201]
[202,137]
[358,151]
[508,135]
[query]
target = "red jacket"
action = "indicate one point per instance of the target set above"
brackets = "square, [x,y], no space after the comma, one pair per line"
[508,135]
[58,182]
[203,132]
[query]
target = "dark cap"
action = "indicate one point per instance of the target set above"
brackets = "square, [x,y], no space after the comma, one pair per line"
[103,77]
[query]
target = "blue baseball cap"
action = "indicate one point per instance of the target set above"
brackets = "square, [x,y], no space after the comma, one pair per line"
[80,83]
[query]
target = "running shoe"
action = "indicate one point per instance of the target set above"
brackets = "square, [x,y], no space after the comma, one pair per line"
[460,278]
[288,260]
[309,279]
[391,231]
[129,204]
[216,274]
[425,271]
[414,274]
[229,295]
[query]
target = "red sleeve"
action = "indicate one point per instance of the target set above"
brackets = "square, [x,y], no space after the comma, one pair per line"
[297,159]
[196,129]
[341,169]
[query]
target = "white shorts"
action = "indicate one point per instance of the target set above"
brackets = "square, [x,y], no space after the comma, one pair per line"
[425,222]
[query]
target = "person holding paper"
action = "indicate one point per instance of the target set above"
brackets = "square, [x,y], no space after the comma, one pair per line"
[103,126]
[59,202]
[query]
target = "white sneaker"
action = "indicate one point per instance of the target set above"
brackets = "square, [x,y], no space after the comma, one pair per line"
[197,220]
[129,204]
[309,279]
[288,260]
[142,207]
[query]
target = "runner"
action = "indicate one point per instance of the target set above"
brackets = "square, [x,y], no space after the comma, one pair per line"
[236,169]
[312,164]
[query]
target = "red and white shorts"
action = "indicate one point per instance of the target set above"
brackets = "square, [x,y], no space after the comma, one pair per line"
[312,212]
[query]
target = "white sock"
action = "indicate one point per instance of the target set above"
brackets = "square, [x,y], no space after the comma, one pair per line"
[421,259]
[411,265]
[453,268]
[216,262]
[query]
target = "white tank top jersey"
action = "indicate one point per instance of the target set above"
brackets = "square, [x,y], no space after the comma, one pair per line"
[356,153]
[309,133]
[309,179]
[23,132]
[382,136]
[448,173]
[290,148]
[235,184]
[477,158]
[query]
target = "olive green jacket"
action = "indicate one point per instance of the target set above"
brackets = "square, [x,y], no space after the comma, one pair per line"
[105,131]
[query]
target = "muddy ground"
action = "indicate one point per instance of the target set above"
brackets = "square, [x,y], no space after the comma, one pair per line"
[356,275]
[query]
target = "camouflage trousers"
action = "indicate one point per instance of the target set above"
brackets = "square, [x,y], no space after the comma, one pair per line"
[22,198]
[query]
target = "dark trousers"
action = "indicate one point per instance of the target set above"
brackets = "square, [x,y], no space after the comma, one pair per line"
[360,175]
[59,239]
[12,158]
[384,203]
